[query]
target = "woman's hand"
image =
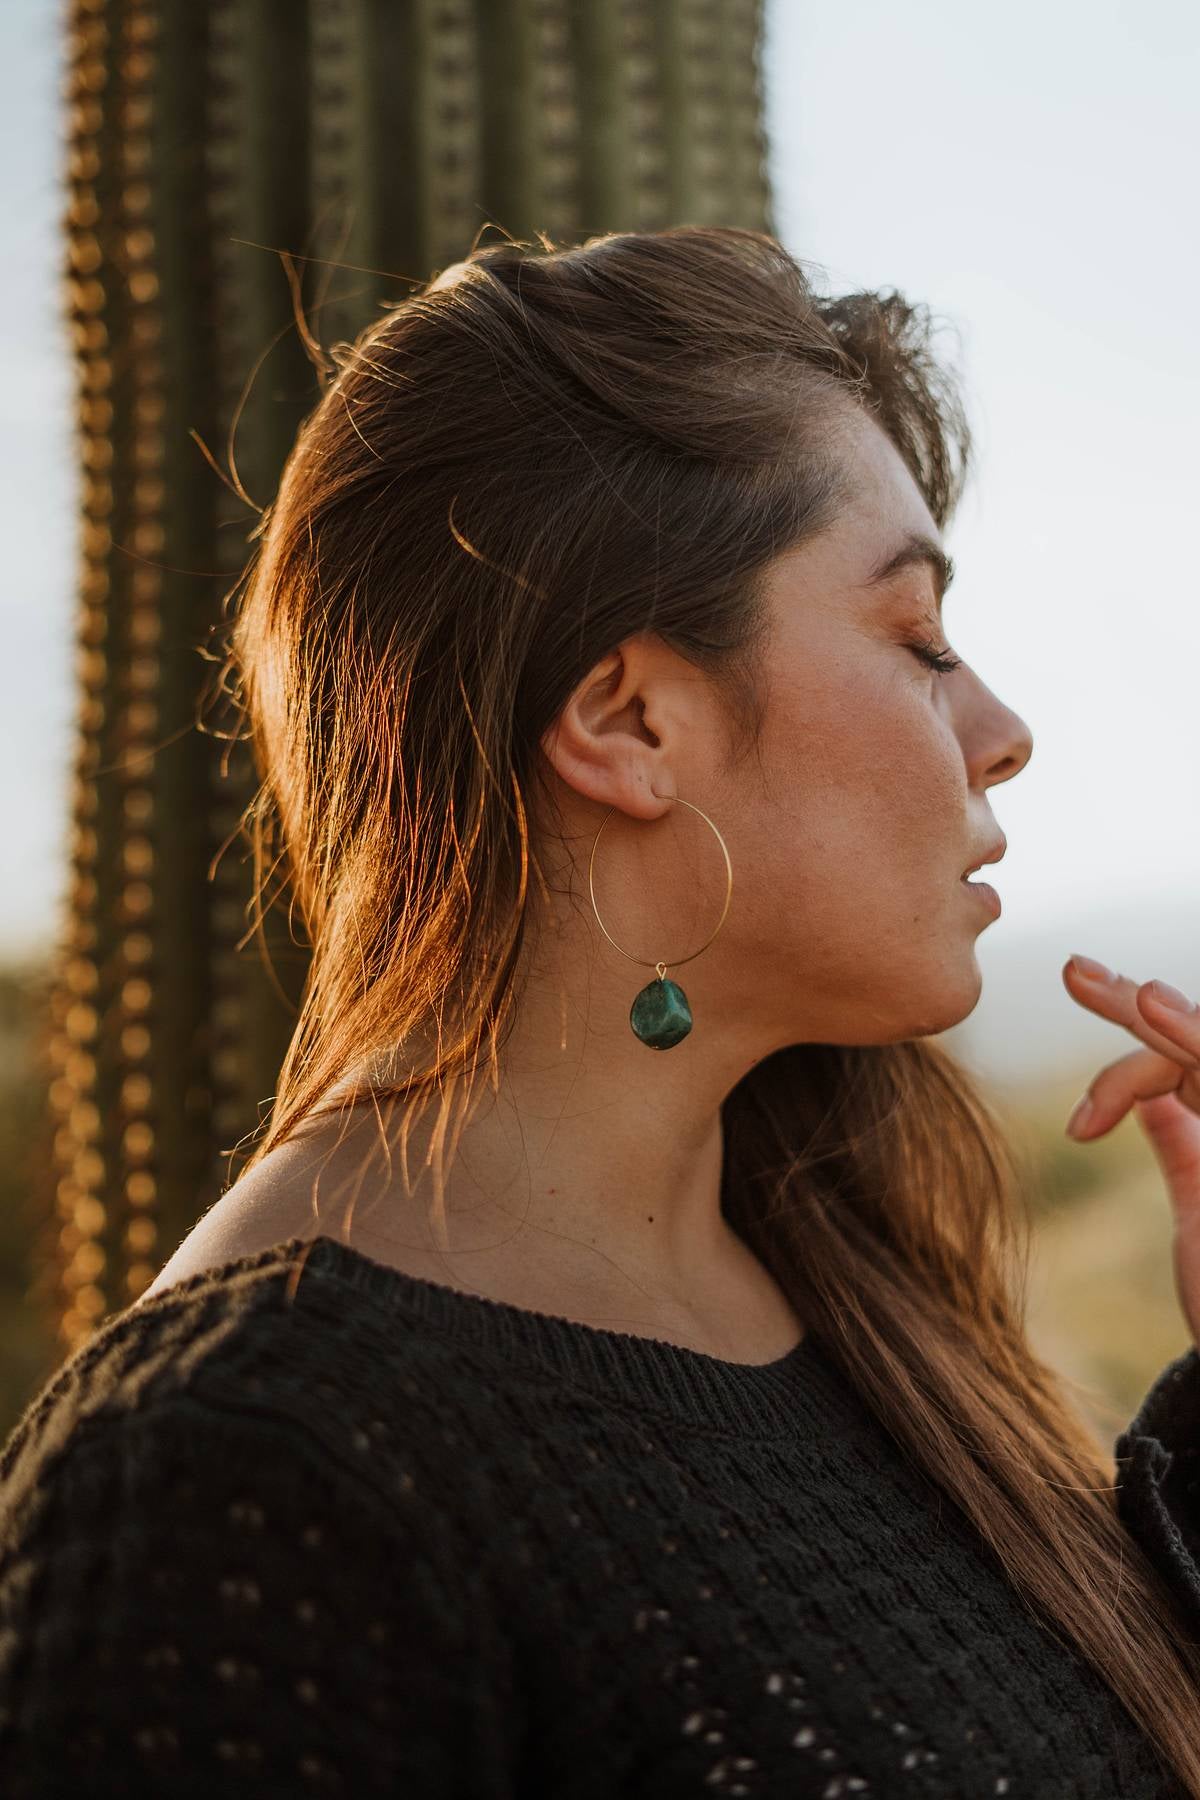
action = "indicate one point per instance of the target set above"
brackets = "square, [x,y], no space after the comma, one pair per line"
[1161,1082]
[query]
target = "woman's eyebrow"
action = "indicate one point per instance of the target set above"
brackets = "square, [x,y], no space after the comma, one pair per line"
[916,548]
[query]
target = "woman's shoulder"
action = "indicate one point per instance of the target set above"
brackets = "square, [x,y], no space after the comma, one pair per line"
[284,1344]
[271,1204]
[220,1510]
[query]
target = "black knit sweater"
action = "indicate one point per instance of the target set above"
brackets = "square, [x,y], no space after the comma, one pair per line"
[303,1525]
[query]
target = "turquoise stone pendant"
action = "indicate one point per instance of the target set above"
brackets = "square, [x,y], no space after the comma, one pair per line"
[660,1014]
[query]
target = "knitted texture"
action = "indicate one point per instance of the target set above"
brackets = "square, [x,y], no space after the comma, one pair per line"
[1158,1496]
[304,1525]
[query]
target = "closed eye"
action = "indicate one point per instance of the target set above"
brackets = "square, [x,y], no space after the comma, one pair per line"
[944,661]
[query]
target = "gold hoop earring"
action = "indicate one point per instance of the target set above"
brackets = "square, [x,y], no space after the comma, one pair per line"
[660,1014]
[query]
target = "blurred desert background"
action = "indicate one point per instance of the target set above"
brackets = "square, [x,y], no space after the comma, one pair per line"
[1038,202]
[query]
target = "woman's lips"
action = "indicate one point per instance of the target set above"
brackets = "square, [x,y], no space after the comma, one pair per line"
[986,894]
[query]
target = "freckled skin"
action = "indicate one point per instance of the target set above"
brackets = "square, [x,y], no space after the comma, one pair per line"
[590,1185]
[875,795]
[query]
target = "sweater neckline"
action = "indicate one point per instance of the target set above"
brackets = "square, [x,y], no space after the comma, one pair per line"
[647,1372]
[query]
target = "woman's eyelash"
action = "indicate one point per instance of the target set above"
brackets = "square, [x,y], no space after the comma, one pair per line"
[944,661]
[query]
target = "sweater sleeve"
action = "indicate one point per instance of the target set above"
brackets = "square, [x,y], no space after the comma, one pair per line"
[200,1600]
[1158,1478]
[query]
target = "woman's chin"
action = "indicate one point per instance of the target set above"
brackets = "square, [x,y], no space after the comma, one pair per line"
[947,1002]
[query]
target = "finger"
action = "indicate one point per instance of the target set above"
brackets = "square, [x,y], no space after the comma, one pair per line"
[1172,1015]
[1142,1075]
[1186,1257]
[1174,1133]
[1115,997]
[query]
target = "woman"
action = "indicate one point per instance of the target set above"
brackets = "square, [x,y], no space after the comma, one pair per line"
[608,1375]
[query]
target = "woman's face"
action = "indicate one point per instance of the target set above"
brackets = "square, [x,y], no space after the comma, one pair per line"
[852,827]
[849,823]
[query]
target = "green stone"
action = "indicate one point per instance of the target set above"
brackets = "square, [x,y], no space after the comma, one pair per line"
[660,1014]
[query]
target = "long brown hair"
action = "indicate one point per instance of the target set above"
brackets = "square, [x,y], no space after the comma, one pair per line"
[512,471]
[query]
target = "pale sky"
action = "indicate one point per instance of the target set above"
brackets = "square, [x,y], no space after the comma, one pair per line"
[1027,171]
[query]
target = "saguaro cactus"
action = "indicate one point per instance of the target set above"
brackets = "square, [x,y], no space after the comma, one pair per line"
[371,141]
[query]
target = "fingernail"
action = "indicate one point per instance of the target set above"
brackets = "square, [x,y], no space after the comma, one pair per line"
[1167,995]
[1095,971]
[1080,1116]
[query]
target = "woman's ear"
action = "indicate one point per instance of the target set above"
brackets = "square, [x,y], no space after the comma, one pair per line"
[600,745]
